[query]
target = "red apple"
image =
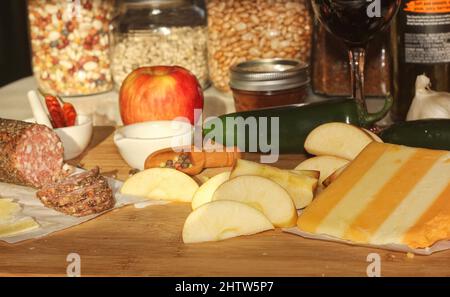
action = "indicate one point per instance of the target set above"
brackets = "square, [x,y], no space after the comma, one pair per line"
[159,93]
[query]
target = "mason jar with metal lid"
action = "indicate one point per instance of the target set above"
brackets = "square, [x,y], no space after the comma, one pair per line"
[269,82]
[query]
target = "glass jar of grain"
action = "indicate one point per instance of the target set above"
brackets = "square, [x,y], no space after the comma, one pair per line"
[159,32]
[242,30]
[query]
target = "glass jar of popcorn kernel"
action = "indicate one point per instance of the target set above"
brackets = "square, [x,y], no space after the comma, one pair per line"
[159,32]
[244,30]
[70,45]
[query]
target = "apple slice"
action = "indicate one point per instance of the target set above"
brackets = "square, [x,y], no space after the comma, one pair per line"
[333,176]
[300,184]
[309,173]
[161,184]
[219,220]
[373,135]
[325,164]
[206,191]
[264,195]
[337,139]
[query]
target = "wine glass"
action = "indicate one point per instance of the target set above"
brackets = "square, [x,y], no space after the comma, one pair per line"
[356,22]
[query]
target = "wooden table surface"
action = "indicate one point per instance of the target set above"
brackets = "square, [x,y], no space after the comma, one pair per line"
[147,242]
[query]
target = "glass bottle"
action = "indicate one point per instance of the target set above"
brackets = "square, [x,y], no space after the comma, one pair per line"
[331,71]
[420,45]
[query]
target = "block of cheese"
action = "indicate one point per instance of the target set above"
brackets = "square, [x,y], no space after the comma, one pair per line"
[8,210]
[389,194]
[10,222]
[20,226]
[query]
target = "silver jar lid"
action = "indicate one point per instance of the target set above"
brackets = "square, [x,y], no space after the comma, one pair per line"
[269,75]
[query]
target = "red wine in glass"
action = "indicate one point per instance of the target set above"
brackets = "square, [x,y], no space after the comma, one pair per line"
[356,22]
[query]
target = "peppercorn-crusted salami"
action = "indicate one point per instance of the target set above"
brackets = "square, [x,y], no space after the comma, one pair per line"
[30,154]
[78,195]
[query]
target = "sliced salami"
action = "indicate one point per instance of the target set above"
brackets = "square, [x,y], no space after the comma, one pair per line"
[79,195]
[30,154]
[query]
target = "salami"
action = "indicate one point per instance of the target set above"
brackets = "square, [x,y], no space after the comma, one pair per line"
[78,195]
[30,154]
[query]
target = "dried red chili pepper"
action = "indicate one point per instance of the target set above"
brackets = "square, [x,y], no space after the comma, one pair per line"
[70,114]
[55,111]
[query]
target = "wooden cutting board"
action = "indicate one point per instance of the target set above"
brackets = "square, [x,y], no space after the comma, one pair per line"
[147,242]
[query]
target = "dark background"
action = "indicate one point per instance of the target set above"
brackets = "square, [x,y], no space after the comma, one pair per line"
[14,46]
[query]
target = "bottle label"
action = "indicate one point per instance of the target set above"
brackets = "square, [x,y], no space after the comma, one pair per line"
[427,34]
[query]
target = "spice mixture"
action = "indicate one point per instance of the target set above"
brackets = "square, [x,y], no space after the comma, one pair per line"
[182,161]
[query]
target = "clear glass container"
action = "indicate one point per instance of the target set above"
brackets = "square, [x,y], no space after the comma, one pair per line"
[268,82]
[159,32]
[70,45]
[331,70]
[247,30]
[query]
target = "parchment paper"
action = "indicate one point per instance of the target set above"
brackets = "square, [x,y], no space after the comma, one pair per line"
[438,246]
[50,220]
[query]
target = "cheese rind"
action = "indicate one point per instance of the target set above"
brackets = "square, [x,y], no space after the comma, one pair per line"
[389,194]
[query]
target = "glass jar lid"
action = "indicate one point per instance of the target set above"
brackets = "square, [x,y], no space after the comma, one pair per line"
[269,75]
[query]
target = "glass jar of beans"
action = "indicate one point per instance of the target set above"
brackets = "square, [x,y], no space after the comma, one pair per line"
[70,45]
[242,30]
[159,32]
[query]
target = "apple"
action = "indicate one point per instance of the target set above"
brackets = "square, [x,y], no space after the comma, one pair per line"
[161,184]
[300,184]
[325,164]
[219,220]
[264,195]
[337,139]
[205,193]
[159,93]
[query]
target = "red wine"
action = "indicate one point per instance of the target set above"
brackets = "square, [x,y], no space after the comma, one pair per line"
[420,45]
[355,21]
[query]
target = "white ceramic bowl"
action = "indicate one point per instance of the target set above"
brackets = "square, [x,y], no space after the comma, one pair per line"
[75,139]
[136,142]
